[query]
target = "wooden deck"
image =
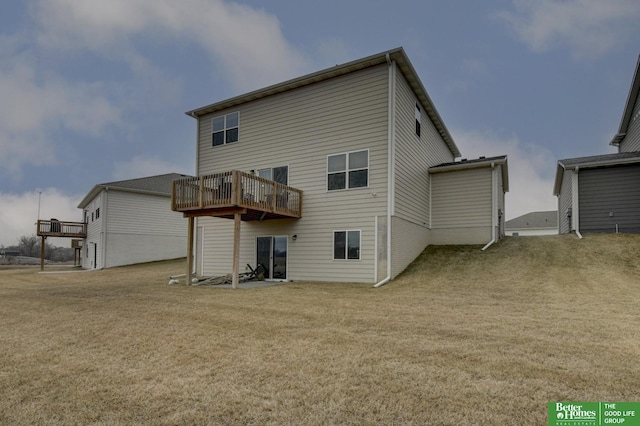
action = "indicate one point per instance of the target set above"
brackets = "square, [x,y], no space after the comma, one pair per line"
[58,228]
[224,194]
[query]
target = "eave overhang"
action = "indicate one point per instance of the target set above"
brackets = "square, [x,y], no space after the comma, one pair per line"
[476,164]
[614,160]
[627,114]
[398,55]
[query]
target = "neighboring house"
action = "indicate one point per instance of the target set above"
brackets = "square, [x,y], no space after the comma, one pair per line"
[534,223]
[130,222]
[602,193]
[331,177]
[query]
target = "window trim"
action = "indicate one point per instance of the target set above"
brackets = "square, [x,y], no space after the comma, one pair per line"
[258,170]
[225,129]
[346,247]
[347,170]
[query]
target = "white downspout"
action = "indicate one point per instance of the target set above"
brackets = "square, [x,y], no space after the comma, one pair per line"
[390,166]
[494,206]
[575,200]
[104,227]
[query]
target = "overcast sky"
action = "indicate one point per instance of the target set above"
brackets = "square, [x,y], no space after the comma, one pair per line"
[95,91]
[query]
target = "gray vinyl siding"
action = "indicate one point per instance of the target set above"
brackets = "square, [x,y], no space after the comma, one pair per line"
[609,197]
[565,200]
[413,156]
[300,128]
[631,142]
[461,206]
[410,233]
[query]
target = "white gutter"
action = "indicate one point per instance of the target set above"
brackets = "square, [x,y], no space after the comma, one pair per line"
[390,164]
[494,206]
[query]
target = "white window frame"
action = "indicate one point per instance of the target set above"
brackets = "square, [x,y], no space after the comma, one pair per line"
[347,170]
[346,247]
[225,128]
[271,171]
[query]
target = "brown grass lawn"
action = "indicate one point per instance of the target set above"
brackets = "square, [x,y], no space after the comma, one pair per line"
[462,337]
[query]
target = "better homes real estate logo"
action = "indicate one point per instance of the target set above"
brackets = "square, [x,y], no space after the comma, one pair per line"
[583,413]
[593,413]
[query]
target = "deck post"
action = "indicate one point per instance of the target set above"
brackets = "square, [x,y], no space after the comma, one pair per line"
[236,250]
[42,253]
[190,250]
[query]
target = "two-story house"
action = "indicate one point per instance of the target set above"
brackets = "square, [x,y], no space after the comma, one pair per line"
[601,193]
[130,221]
[330,178]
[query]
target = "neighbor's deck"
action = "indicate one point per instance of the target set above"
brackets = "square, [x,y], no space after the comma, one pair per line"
[58,228]
[226,193]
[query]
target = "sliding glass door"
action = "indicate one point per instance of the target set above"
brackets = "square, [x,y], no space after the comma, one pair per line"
[271,253]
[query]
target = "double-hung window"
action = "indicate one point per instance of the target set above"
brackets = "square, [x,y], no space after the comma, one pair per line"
[346,245]
[348,170]
[224,128]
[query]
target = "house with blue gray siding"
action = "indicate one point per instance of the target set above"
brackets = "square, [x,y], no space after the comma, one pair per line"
[601,194]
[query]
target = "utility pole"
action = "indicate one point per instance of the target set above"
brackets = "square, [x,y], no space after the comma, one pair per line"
[39,195]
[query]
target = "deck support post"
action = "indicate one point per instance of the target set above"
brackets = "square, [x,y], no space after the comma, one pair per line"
[236,250]
[42,253]
[190,250]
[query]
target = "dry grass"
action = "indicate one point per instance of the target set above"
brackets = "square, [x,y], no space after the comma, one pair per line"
[462,337]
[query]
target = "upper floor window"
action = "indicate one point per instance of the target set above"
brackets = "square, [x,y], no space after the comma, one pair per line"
[418,119]
[225,128]
[348,170]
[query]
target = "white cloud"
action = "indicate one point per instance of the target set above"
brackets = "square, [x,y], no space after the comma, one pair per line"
[588,28]
[247,44]
[34,107]
[531,169]
[19,213]
[143,166]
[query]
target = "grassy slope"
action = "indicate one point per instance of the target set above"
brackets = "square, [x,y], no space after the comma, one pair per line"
[462,337]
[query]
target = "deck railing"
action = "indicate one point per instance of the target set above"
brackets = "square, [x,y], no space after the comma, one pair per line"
[58,228]
[235,189]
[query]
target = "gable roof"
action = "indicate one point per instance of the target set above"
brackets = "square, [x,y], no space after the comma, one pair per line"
[476,164]
[398,55]
[606,160]
[154,185]
[534,220]
[629,106]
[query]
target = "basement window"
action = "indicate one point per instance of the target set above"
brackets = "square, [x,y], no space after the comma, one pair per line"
[224,129]
[346,245]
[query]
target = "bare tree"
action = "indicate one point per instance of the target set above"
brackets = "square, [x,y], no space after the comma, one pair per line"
[28,245]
